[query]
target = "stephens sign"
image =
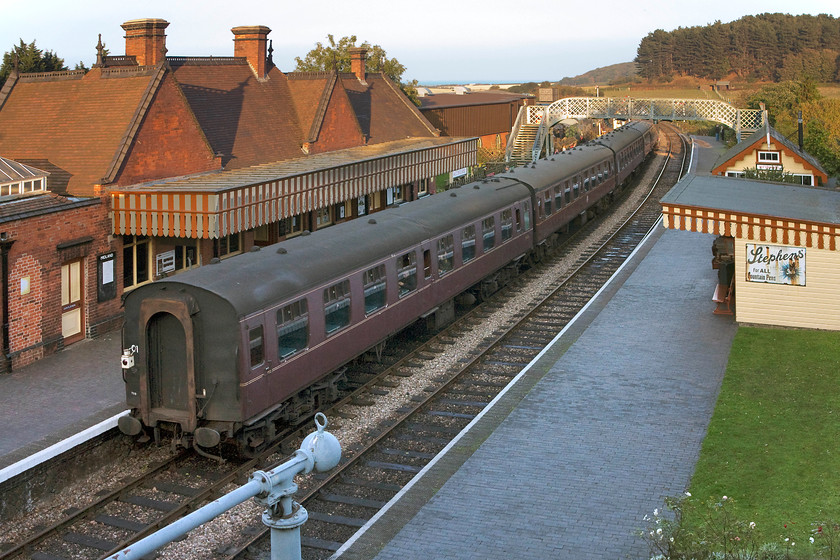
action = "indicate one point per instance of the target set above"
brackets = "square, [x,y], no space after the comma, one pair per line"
[774,264]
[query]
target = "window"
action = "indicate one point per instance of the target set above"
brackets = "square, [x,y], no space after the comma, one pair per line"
[558,197]
[488,228]
[337,306]
[361,206]
[407,273]
[375,292]
[136,260]
[291,226]
[323,217]
[186,254]
[526,209]
[507,225]
[427,264]
[227,246]
[255,344]
[768,157]
[734,173]
[586,184]
[468,244]
[548,201]
[807,180]
[292,329]
[445,254]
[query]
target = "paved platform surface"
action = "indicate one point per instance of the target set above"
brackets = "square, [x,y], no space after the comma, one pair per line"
[54,398]
[593,436]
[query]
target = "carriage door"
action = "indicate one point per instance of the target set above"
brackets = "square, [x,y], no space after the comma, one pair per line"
[167,363]
[72,296]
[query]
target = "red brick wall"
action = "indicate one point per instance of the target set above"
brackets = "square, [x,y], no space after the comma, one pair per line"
[169,142]
[35,318]
[340,128]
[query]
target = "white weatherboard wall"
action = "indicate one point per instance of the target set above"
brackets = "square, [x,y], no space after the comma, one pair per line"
[815,305]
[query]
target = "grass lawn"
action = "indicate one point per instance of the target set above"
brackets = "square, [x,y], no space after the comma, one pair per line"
[773,443]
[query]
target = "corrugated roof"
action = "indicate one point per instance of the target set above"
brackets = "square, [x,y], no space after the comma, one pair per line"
[447,100]
[223,180]
[756,197]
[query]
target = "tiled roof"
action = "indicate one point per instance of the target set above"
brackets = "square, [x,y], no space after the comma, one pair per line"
[18,207]
[248,121]
[71,124]
[310,94]
[394,117]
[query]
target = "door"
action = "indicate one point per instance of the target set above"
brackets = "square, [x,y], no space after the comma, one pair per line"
[167,364]
[72,296]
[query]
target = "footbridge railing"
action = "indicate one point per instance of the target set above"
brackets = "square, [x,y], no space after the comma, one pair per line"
[627,108]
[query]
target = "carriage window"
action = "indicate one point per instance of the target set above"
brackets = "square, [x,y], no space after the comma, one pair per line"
[586,184]
[558,197]
[488,227]
[526,208]
[445,253]
[427,264]
[337,306]
[507,225]
[255,344]
[375,293]
[407,273]
[468,244]
[548,201]
[292,329]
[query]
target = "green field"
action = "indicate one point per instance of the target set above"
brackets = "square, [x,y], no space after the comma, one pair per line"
[773,444]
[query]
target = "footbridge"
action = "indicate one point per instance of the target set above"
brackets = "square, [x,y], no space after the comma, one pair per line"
[531,136]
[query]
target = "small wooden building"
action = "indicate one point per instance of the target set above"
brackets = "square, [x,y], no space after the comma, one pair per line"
[785,241]
[768,150]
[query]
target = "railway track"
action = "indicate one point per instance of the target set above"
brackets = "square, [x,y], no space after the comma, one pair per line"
[388,454]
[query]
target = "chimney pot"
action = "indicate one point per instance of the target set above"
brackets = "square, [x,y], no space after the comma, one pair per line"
[249,41]
[145,40]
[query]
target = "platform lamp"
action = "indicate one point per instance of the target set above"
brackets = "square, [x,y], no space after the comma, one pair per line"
[5,247]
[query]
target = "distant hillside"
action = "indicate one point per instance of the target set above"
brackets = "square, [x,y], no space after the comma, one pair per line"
[766,47]
[615,73]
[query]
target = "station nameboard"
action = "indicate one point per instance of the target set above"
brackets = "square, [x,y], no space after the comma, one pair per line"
[775,264]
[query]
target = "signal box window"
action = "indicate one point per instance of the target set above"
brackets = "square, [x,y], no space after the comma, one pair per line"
[255,343]
[375,292]
[407,273]
[292,329]
[468,244]
[446,254]
[488,227]
[337,306]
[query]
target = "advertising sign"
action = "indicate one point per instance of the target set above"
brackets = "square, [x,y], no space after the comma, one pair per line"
[775,264]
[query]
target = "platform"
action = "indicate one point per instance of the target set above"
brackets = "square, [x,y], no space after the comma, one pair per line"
[590,437]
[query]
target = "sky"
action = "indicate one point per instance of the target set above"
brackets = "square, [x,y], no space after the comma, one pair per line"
[438,41]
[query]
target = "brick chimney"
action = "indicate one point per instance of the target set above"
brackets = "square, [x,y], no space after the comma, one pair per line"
[145,39]
[358,58]
[249,41]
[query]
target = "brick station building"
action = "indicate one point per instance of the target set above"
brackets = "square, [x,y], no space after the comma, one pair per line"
[179,160]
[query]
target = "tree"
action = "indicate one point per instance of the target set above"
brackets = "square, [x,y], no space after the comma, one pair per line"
[336,56]
[30,59]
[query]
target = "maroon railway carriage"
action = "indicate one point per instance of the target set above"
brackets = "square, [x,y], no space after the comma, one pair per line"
[231,351]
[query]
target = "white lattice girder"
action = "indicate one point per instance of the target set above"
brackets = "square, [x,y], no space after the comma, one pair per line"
[648,109]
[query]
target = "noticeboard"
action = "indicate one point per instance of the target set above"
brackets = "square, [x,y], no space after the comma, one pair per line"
[776,264]
[106,280]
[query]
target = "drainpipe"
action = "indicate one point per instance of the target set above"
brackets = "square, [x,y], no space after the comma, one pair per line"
[5,247]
